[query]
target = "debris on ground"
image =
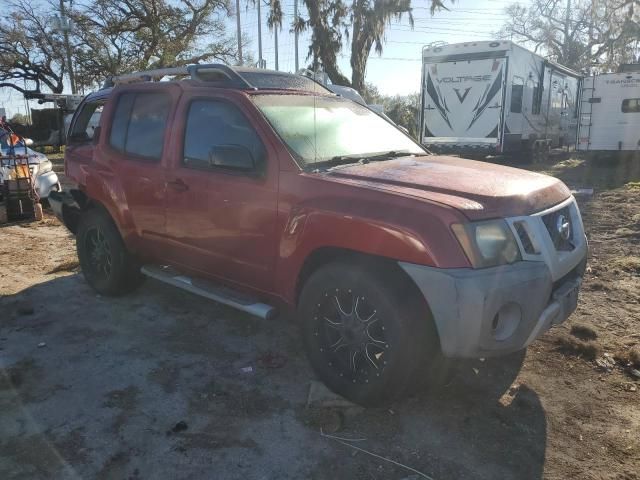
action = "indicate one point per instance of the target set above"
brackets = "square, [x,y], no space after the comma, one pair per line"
[272,360]
[321,396]
[634,356]
[606,362]
[181,426]
[634,372]
[248,369]
[42,344]
[71,265]
[330,420]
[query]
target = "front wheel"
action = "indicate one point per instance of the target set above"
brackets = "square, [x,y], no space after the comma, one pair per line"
[105,262]
[366,338]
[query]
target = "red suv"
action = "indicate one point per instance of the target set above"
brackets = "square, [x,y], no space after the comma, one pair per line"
[263,191]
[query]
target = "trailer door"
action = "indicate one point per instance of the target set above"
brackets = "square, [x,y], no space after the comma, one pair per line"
[463,101]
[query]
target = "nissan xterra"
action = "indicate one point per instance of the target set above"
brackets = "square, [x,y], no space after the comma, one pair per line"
[263,190]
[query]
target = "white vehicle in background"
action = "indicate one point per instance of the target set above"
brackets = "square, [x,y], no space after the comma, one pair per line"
[346,92]
[44,178]
[496,97]
[610,112]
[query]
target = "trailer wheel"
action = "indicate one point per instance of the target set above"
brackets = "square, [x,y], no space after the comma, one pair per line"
[544,151]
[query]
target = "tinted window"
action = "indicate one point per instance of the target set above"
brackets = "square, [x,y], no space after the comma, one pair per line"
[86,122]
[631,105]
[212,123]
[139,123]
[537,100]
[121,121]
[516,98]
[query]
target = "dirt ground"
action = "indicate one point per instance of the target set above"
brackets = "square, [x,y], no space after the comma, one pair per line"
[156,384]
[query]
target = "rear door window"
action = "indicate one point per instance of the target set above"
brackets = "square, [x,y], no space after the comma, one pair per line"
[139,123]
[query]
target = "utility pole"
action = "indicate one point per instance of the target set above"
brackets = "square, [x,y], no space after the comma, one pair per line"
[295,31]
[65,26]
[26,103]
[275,31]
[239,32]
[567,30]
[259,36]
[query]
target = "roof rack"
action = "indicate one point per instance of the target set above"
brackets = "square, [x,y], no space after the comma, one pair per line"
[216,73]
[220,75]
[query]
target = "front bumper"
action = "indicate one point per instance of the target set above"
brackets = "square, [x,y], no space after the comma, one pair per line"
[498,310]
[65,208]
[46,183]
[495,311]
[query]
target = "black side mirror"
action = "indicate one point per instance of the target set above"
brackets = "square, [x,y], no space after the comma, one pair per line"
[233,157]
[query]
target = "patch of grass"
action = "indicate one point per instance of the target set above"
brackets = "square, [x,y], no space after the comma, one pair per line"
[629,264]
[596,285]
[630,356]
[633,185]
[572,346]
[583,332]
[626,232]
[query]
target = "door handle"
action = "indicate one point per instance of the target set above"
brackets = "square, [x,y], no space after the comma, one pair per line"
[178,185]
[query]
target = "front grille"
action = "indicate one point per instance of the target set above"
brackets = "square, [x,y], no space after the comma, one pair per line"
[551,222]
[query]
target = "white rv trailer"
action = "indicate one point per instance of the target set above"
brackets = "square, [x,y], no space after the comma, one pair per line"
[493,97]
[610,112]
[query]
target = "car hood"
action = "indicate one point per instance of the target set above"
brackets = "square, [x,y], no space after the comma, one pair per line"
[479,190]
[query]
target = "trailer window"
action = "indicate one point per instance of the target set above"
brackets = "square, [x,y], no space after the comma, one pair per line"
[517,91]
[631,105]
[537,100]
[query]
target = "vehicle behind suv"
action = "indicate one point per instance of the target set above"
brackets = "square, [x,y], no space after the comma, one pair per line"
[266,192]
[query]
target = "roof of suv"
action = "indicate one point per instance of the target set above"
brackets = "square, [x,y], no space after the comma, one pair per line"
[224,76]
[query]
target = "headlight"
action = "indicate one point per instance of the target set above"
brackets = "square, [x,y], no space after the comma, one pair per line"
[43,167]
[487,244]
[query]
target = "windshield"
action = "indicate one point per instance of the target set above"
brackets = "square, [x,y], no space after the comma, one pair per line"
[319,129]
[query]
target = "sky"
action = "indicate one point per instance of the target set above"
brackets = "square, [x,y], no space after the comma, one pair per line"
[395,72]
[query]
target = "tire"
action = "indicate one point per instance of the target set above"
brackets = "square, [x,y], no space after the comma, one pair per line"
[105,262]
[376,355]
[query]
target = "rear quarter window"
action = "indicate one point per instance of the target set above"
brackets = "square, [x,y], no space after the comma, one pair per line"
[86,121]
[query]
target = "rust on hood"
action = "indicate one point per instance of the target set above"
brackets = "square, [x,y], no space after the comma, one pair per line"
[480,190]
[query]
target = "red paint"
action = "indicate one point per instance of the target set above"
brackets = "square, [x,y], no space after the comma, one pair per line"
[255,232]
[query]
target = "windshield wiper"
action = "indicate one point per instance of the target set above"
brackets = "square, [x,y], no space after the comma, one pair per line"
[346,160]
[388,155]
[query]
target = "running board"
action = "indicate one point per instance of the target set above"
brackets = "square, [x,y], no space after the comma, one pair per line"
[209,290]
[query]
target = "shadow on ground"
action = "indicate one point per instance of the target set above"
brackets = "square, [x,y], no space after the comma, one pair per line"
[156,385]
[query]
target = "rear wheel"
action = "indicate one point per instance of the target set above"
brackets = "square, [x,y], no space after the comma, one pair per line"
[366,338]
[106,264]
